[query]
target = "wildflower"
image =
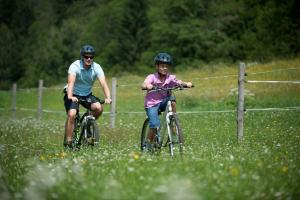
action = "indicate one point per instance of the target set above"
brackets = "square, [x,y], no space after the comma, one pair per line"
[42,158]
[234,171]
[285,169]
[136,156]
[63,154]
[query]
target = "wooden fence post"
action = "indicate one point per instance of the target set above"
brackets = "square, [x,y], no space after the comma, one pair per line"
[240,108]
[14,100]
[113,103]
[40,97]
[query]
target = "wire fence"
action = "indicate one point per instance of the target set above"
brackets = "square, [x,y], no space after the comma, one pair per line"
[113,112]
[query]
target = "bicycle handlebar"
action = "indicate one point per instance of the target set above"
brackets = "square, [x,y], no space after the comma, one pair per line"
[180,87]
[88,100]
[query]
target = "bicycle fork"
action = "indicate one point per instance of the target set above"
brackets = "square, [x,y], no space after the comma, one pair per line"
[170,130]
[85,123]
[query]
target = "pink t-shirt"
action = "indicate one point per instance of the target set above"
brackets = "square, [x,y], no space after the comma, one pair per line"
[153,98]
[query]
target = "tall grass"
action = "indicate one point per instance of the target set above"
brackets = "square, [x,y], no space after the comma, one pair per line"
[264,166]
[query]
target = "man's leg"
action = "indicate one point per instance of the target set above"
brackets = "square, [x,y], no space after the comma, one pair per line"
[97,109]
[70,125]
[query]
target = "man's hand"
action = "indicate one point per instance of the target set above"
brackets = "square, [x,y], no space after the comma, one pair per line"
[108,100]
[74,99]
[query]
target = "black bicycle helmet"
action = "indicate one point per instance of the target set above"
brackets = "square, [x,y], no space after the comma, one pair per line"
[163,58]
[87,49]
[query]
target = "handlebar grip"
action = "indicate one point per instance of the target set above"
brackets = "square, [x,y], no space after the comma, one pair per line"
[102,101]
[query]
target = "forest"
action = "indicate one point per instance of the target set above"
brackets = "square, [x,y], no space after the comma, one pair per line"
[40,39]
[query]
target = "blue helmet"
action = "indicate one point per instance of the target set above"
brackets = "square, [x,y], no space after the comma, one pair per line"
[87,49]
[163,58]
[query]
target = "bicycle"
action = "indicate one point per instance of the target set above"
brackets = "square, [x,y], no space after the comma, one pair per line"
[86,131]
[169,124]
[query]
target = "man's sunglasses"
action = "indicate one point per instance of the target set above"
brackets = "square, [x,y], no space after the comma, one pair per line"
[87,57]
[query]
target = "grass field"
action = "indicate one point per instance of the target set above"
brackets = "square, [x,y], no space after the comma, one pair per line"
[266,165]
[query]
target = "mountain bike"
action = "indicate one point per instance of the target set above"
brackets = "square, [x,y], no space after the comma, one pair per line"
[86,131]
[169,134]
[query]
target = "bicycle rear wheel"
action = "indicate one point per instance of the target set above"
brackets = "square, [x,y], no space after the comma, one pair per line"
[146,144]
[176,140]
[144,135]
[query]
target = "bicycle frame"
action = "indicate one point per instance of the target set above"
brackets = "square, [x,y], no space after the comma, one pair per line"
[165,121]
[82,128]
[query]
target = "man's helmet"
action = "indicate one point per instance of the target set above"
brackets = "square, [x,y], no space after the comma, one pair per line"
[163,58]
[87,49]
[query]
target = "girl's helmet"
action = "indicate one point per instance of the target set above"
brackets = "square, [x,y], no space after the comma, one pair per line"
[87,49]
[163,58]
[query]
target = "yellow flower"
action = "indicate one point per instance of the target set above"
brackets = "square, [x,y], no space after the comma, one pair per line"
[285,168]
[63,154]
[234,171]
[42,157]
[136,156]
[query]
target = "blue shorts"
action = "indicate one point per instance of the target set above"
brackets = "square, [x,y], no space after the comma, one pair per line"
[152,112]
[69,104]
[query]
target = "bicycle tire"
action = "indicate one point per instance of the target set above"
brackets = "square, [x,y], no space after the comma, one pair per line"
[177,141]
[144,135]
[93,131]
[93,136]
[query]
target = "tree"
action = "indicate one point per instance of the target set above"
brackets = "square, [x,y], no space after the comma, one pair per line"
[15,18]
[133,34]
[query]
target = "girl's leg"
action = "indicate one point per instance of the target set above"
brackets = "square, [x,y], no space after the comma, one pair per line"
[154,122]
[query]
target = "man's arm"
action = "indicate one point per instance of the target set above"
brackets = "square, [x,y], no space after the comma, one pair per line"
[71,81]
[105,89]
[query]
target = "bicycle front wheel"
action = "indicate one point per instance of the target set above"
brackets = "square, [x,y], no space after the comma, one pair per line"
[90,134]
[176,137]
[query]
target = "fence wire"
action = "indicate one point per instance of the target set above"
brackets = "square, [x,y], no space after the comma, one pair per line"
[137,85]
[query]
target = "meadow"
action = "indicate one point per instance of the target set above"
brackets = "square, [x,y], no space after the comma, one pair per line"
[265,165]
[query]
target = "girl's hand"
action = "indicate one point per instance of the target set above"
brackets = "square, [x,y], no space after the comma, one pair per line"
[149,87]
[189,84]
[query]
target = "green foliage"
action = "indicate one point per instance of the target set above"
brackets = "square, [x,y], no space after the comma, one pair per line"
[39,40]
[133,34]
[271,29]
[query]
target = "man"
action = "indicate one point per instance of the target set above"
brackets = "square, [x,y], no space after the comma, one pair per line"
[81,76]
